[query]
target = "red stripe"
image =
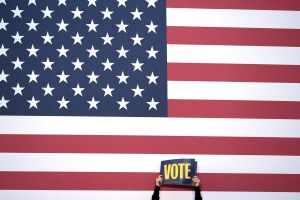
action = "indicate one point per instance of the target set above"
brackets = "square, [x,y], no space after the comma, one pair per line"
[233,72]
[236,4]
[234,109]
[144,181]
[149,144]
[233,36]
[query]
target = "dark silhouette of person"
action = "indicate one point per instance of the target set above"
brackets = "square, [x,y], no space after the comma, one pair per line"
[159,181]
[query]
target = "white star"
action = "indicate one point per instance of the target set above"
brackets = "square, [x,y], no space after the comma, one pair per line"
[122,78]
[17,38]
[137,91]
[62,51]
[32,25]
[3,76]
[93,77]
[47,38]
[31,2]
[92,2]
[108,90]
[107,13]
[18,63]
[3,1]
[48,90]
[152,27]
[92,51]
[48,64]
[137,65]
[152,104]
[47,12]
[107,65]
[33,103]
[63,77]
[33,76]
[136,14]
[62,2]
[17,12]
[77,64]
[78,90]
[107,39]
[92,26]
[62,25]
[3,50]
[137,40]
[3,102]
[77,13]
[152,78]
[77,38]
[123,104]
[63,103]
[32,51]
[152,53]
[18,89]
[93,103]
[3,24]
[122,26]
[122,3]
[122,52]
[151,3]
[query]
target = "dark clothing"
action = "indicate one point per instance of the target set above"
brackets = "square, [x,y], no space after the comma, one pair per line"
[155,195]
[197,193]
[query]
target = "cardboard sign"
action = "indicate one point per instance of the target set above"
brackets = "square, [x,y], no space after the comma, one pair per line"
[178,171]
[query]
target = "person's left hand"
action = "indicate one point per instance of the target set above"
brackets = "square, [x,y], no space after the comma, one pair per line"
[196,181]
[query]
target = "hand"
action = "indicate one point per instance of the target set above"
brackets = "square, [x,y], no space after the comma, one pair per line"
[158,180]
[196,181]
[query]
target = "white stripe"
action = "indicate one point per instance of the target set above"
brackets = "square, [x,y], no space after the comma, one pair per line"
[140,195]
[234,91]
[155,126]
[69,162]
[233,54]
[233,18]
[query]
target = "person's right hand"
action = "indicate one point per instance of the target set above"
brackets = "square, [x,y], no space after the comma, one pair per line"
[158,180]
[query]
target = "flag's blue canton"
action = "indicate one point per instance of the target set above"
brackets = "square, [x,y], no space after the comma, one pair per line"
[80,57]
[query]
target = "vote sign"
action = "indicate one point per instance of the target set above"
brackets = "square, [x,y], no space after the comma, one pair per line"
[178,171]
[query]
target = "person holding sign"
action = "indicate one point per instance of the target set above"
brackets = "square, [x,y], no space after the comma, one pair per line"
[159,180]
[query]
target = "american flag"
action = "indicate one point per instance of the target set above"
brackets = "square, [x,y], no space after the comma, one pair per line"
[95,93]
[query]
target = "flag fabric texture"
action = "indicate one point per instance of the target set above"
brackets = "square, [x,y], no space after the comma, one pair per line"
[95,94]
